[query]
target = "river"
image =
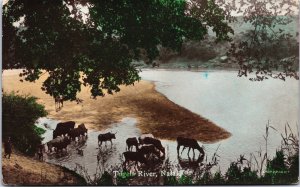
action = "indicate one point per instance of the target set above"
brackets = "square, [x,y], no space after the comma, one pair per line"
[240,106]
[236,104]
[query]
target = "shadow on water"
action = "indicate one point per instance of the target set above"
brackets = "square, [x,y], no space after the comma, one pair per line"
[110,154]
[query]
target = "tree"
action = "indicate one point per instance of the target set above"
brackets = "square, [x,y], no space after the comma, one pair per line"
[19,116]
[96,48]
[268,49]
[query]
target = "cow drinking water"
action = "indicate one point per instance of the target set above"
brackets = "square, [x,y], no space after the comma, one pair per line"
[190,143]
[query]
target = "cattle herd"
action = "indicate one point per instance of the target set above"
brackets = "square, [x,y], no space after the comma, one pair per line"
[146,146]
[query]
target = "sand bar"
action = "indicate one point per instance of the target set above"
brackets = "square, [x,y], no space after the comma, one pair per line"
[154,112]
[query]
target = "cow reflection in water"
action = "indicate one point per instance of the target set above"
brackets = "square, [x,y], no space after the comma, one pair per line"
[191,163]
[106,153]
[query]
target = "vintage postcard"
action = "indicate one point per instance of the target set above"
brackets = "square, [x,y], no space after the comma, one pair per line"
[156,92]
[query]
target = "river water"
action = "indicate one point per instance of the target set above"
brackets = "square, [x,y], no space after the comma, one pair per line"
[238,105]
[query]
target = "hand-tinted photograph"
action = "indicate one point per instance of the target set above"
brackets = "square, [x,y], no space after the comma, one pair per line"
[152,92]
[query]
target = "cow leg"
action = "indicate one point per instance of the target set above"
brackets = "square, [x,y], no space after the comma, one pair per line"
[178,147]
[183,150]
[189,151]
[193,153]
[110,143]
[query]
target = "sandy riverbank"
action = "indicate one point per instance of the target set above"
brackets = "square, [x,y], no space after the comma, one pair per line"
[23,170]
[155,113]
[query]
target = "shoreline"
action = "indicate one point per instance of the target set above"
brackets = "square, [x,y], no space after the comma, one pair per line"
[155,113]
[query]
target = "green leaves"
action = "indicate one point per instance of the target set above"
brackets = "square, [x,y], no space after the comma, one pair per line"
[268,48]
[19,116]
[53,38]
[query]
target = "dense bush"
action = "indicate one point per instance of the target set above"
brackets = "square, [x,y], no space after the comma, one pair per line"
[19,116]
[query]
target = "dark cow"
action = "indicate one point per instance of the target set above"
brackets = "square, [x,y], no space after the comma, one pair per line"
[83,129]
[40,151]
[155,142]
[77,132]
[7,148]
[56,141]
[40,156]
[143,136]
[59,102]
[134,156]
[62,145]
[130,142]
[106,137]
[63,128]
[147,150]
[190,143]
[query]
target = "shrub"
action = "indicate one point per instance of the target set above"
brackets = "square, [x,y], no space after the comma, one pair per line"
[294,168]
[105,180]
[277,171]
[19,116]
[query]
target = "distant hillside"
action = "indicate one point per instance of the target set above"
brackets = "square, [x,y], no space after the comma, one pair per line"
[207,53]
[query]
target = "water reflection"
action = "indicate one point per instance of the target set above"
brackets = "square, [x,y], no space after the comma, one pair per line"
[190,163]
